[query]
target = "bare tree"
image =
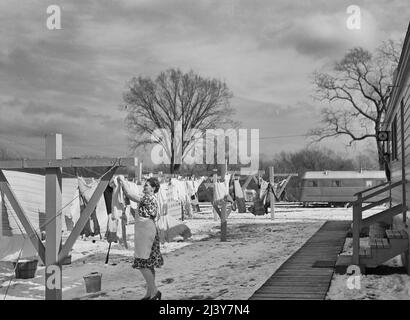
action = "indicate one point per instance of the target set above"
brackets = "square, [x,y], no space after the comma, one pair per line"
[156,104]
[358,88]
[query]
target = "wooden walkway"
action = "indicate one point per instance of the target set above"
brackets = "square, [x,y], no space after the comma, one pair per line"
[297,278]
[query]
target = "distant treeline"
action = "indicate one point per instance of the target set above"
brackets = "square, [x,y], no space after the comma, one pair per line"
[307,159]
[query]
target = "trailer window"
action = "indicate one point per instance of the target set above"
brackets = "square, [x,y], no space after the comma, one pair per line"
[312,183]
[369,183]
[336,183]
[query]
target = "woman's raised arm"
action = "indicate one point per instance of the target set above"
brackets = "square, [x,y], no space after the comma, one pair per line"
[131,194]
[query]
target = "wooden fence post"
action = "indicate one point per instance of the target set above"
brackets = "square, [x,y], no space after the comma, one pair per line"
[357,218]
[271,195]
[53,213]
[223,209]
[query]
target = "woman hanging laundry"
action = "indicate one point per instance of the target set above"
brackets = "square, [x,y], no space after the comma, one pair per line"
[147,254]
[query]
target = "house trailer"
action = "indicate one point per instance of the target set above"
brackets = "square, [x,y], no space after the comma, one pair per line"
[337,187]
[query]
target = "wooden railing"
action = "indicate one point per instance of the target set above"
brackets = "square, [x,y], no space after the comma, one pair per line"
[386,215]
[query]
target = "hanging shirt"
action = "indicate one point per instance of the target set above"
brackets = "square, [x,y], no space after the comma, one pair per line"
[118,202]
[162,199]
[238,189]
[197,183]
[264,189]
[220,191]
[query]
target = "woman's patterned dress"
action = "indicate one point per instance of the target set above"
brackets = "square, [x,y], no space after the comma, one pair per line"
[148,208]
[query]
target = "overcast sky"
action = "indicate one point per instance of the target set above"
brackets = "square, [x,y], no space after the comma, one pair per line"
[72,80]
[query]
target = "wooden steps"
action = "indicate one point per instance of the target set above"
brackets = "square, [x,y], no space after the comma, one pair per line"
[397,234]
[380,251]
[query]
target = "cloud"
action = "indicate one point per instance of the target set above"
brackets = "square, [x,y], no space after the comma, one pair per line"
[72,79]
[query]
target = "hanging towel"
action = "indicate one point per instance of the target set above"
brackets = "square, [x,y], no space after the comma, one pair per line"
[220,191]
[118,202]
[112,229]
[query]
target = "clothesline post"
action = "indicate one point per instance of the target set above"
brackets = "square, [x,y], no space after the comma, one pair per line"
[139,172]
[214,180]
[53,199]
[271,195]
[224,169]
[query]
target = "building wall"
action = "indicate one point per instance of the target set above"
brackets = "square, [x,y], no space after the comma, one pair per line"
[401,93]
[396,165]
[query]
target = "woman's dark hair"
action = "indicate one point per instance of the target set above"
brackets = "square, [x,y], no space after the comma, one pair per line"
[154,183]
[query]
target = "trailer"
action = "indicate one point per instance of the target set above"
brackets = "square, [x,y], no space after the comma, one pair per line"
[337,188]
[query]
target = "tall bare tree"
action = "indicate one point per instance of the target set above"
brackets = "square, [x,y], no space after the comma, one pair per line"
[357,89]
[156,104]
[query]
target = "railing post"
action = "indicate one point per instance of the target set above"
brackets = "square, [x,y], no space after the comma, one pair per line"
[357,218]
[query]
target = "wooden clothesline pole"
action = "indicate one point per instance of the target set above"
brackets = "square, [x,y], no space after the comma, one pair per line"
[215,207]
[53,195]
[224,169]
[271,195]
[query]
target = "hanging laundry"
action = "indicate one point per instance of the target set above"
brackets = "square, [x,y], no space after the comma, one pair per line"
[108,198]
[239,197]
[263,189]
[118,201]
[220,191]
[261,203]
[112,229]
[162,199]
[86,191]
[132,206]
[197,183]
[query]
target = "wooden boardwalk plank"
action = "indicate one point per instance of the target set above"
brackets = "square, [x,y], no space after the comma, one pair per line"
[296,278]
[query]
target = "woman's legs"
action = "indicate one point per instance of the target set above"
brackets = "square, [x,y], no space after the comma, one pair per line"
[154,288]
[149,277]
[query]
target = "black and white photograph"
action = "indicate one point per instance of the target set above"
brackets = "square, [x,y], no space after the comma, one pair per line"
[204,150]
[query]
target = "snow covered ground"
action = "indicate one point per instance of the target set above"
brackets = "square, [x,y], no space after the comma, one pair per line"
[390,282]
[201,267]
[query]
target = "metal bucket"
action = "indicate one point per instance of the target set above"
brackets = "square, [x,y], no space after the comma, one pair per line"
[66,260]
[26,269]
[93,282]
